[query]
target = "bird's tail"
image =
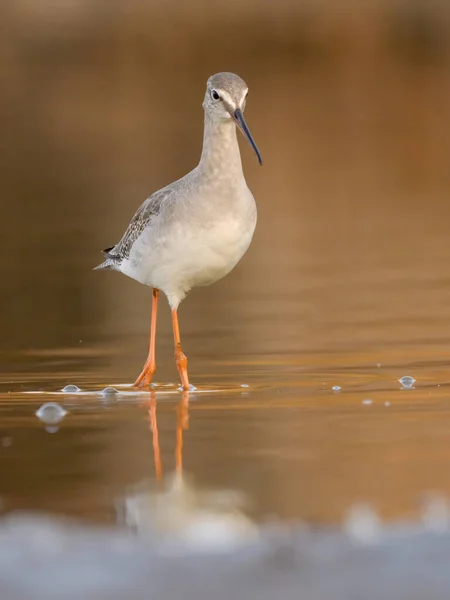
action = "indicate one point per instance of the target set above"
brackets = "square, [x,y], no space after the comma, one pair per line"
[108,264]
[112,261]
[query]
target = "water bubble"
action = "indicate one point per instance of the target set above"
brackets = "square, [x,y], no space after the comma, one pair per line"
[109,391]
[387,403]
[71,389]
[244,385]
[7,441]
[407,381]
[336,388]
[51,413]
[367,401]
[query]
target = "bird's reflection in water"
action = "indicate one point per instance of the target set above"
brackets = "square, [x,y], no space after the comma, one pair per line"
[177,514]
[182,424]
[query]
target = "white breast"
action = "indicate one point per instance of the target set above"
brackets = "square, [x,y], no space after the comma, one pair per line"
[190,252]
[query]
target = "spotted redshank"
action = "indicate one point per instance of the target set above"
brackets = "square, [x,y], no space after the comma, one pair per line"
[195,230]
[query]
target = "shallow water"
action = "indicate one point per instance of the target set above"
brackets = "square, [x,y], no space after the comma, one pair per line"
[268,424]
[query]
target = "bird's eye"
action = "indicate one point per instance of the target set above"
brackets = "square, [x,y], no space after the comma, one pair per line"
[215,95]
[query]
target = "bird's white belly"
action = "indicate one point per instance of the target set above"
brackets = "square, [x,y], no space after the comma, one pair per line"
[185,258]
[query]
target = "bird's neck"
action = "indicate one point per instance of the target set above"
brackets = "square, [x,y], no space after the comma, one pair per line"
[220,155]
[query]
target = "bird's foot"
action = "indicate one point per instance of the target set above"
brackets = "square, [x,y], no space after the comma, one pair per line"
[145,377]
[181,361]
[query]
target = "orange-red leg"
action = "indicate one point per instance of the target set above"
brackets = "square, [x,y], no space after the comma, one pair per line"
[150,365]
[154,428]
[182,423]
[180,356]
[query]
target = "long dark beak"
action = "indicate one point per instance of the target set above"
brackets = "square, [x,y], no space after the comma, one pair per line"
[239,117]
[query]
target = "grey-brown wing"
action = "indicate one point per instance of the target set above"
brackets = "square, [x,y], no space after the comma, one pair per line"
[145,213]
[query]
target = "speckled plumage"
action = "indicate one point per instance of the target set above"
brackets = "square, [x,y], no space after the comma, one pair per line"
[138,224]
[195,230]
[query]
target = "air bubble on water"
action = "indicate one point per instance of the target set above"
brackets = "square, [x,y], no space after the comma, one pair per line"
[336,388]
[407,381]
[71,389]
[109,391]
[244,385]
[363,524]
[367,401]
[51,413]
[378,364]
[7,441]
[387,403]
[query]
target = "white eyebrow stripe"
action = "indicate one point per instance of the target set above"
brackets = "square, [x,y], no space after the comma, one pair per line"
[228,99]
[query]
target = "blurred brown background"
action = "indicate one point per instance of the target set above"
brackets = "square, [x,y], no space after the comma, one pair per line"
[100,105]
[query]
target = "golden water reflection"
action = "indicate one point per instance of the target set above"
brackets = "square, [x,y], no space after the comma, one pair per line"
[182,425]
[178,510]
